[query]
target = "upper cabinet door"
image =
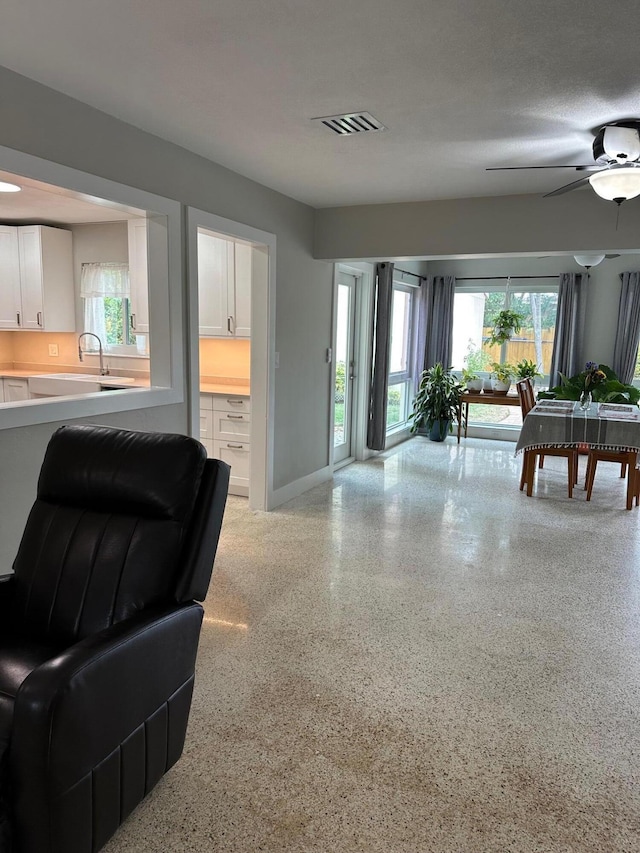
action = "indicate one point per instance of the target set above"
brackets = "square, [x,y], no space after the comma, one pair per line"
[31,277]
[215,271]
[46,278]
[241,323]
[10,305]
[139,275]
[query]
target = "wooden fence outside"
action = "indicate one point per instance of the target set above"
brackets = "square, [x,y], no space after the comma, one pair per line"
[522,346]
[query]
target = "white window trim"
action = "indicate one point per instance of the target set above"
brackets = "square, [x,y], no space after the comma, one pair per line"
[165,299]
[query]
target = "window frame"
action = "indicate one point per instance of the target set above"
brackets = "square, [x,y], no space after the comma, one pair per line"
[404,377]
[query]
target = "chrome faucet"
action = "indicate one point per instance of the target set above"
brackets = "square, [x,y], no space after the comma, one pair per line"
[104,371]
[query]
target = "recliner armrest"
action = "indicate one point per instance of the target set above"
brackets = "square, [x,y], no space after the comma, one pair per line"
[80,709]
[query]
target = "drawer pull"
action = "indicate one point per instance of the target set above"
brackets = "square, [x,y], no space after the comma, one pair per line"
[236,446]
[236,402]
[236,417]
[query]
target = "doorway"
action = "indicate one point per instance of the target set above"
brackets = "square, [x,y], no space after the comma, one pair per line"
[344,347]
[237,323]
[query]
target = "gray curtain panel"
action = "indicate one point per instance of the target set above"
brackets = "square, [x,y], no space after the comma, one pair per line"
[436,309]
[628,331]
[567,344]
[377,426]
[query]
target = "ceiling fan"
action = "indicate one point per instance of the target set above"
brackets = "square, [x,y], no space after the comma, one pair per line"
[616,170]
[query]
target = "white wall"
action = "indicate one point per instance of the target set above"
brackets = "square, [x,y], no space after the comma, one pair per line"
[47,124]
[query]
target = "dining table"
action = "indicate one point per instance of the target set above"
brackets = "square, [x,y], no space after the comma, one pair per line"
[611,427]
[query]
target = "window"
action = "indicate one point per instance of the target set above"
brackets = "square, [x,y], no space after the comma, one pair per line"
[474,310]
[400,371]
[104,288]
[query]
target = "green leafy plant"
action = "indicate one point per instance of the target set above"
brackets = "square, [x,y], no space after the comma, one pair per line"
[469,375]
[604,389]
[437,400]
[503,372]
[527,369]
[506,323]
[477,360]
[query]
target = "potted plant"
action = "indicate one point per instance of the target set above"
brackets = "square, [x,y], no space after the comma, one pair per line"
[502,376]
[596,379]
[471,380]
[506,323]
[527,370]
[437,403]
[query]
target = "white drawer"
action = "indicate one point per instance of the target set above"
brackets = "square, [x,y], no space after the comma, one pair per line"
[231,426]
[206,401]
[209,447]
[231,403]
[235,454]
[206,424]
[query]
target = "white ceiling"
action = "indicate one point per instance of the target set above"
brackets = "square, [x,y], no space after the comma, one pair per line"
[461,85]
[46,204]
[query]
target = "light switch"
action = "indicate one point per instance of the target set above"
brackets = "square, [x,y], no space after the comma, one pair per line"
[53,349]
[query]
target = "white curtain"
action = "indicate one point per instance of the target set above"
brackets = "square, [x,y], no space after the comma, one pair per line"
[105,280]
[97,281]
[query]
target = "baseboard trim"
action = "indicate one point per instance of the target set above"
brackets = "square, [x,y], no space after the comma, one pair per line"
[298,487]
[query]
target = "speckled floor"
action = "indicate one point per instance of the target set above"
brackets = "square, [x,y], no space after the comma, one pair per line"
[416,657]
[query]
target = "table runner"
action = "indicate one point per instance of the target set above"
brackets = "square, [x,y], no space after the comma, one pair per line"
[574,427]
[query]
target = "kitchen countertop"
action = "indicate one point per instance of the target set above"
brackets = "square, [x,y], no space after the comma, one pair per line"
[205,387]
[219,388]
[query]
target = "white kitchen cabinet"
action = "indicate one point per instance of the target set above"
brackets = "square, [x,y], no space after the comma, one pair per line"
[139,275]
[14,390]
[37,277]
[224,287]
[225,426]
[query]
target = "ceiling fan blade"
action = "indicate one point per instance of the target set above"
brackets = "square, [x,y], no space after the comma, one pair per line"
[574,185]
[518,168]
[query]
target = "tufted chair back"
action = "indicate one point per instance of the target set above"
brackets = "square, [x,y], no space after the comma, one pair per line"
[105,537]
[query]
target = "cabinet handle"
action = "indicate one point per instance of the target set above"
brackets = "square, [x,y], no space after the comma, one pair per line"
[18,318]
[229,325]
[236,446]
[236,402]
[235,417]
[39,318]
[133,321]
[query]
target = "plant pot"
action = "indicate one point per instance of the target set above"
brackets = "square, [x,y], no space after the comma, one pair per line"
[500,387]
[439,431]
[474,385]
[487,387]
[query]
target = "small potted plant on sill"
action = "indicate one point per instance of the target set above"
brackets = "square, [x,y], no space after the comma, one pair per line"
[527,370]
[502,375]
[437,403]
[506,324]
[471,380]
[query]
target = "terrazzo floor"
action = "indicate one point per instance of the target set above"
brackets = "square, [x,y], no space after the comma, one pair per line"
[416,657]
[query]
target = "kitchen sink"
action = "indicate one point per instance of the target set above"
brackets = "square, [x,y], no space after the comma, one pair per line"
[63,384]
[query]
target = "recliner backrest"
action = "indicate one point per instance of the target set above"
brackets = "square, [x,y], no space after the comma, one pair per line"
[107,533]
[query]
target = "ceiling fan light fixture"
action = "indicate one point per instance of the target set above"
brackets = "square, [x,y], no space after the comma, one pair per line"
[618,183]
[589,261]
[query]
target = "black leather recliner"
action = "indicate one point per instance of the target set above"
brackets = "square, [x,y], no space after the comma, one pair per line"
[99,631]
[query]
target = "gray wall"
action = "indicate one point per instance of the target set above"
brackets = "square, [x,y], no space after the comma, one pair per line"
[517,225]
[47,124]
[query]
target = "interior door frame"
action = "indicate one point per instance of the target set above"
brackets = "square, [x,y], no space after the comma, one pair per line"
[263,334]
[364,272]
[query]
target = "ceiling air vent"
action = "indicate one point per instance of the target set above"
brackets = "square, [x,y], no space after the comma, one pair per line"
[349,124]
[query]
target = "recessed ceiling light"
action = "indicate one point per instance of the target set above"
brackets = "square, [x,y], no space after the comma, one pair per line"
[9,188]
